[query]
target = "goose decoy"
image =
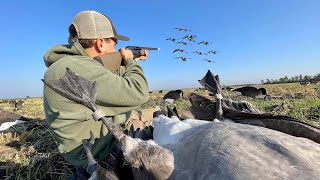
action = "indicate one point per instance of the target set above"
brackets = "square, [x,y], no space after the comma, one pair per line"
[250,91]
[227,88]
[160,92]
[174,95]
[205,42]
[182,58]
[12,101]
[180,50]
[18,105]
[304,83]
[314,82]
[8,119]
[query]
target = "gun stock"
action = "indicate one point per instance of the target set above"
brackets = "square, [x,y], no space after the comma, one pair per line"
[111,61]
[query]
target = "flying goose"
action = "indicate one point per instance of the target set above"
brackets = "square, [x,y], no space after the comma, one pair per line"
[190,38]
[199,52]
[205,42]
[213,52]
[172,39]
[184,43]
[209,60]
[182,29]
[182,58]
[180,50]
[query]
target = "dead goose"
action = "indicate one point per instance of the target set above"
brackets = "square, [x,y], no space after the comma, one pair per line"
[228,150]
[8,119]
[142,156]
[250,91]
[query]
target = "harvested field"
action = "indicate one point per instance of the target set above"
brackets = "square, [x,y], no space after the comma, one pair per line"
[28,151]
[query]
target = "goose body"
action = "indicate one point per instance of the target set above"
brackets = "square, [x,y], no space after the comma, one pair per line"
[250,91]
[304,83]
[18,105]
[174,95]
[228,150]
[8,119]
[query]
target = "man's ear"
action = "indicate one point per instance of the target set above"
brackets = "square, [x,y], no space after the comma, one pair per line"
[99,44]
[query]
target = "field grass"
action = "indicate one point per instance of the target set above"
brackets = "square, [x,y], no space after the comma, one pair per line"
[28,151]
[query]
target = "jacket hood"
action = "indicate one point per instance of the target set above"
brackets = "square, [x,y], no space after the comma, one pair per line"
[60,51]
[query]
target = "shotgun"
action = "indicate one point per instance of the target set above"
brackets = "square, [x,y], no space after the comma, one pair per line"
[113,61]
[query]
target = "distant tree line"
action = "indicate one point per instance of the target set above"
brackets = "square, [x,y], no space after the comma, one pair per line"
[286,79]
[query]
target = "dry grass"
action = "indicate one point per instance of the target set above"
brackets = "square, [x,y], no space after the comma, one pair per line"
[28,151]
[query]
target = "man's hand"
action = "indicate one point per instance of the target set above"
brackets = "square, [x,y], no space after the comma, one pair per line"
[144,57]
[126,54]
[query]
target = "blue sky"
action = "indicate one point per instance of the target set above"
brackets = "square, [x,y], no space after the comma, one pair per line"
[256,39]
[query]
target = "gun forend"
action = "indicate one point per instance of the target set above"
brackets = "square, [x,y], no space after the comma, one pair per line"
[138,51]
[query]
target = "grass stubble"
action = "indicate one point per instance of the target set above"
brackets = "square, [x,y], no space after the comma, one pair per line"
[27,151]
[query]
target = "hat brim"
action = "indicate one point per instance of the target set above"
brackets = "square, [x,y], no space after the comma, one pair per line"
[120,37]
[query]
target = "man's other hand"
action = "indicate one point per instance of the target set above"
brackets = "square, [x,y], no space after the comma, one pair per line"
[144,57]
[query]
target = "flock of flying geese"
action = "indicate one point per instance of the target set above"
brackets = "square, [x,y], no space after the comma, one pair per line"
[190,40]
